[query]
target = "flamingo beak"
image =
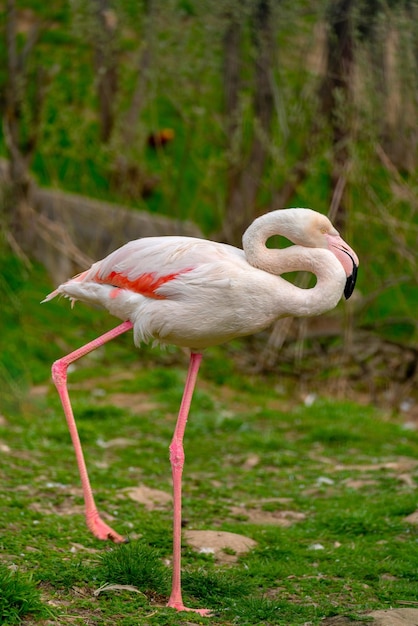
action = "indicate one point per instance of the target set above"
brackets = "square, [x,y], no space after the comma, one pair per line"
[351,282]
[348,259]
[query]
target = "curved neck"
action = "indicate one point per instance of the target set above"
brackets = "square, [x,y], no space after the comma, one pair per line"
[295,300]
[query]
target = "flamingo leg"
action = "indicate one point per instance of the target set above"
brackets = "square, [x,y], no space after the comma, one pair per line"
[177,463]
[59,375]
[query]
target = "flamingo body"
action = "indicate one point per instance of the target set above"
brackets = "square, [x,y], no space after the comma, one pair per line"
[196,293]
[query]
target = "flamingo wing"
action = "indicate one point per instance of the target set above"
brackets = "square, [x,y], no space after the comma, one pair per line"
[144,266]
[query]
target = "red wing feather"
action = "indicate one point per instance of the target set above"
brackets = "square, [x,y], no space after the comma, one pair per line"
[146,284]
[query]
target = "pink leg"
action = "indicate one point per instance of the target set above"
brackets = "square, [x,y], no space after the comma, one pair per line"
[177,463]
[59,376]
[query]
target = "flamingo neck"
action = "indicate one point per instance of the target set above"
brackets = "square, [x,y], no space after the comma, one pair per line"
[329,272]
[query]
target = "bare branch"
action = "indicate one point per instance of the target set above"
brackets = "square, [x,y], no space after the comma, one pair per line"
[338,193]
[391,167]
[31,40]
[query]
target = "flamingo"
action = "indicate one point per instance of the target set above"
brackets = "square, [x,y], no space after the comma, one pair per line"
[195,293]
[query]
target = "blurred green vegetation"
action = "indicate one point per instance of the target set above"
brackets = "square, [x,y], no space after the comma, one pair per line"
[184,93]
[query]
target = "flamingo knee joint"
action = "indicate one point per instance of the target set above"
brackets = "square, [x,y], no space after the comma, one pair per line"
[59,372]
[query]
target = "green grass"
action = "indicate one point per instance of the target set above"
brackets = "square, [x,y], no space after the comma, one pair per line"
[135,564]
[347,470]
[19,597]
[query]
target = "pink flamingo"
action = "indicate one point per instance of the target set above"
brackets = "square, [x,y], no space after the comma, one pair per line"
[196,293]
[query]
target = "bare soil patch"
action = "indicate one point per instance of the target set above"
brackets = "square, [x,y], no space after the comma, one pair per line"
[151,498]
[389,617]
[256,515]
[226,547]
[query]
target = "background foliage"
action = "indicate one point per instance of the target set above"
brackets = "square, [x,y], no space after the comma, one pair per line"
[169,65]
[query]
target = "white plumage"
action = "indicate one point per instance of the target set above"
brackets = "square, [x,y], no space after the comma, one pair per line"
[196,293]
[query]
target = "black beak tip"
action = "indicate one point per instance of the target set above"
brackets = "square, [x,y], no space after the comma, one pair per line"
[351,283]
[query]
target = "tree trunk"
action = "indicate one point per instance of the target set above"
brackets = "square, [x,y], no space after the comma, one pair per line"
[139,96]
[20,141]
[12,116]
[336,97]
[106,66]
[232,66]
[245,177]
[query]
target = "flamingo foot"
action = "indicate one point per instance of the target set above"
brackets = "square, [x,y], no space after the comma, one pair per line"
[179,606]
[101,530]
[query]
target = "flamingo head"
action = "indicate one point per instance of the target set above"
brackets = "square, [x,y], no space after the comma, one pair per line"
[315,230]
[304,227]
[331,239]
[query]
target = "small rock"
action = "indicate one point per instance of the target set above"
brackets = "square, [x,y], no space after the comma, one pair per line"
[412,519]
[216,542]
[324,480]
[316,546]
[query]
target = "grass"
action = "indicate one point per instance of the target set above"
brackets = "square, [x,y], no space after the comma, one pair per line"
[346,470]
[19,597]
[136,564]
